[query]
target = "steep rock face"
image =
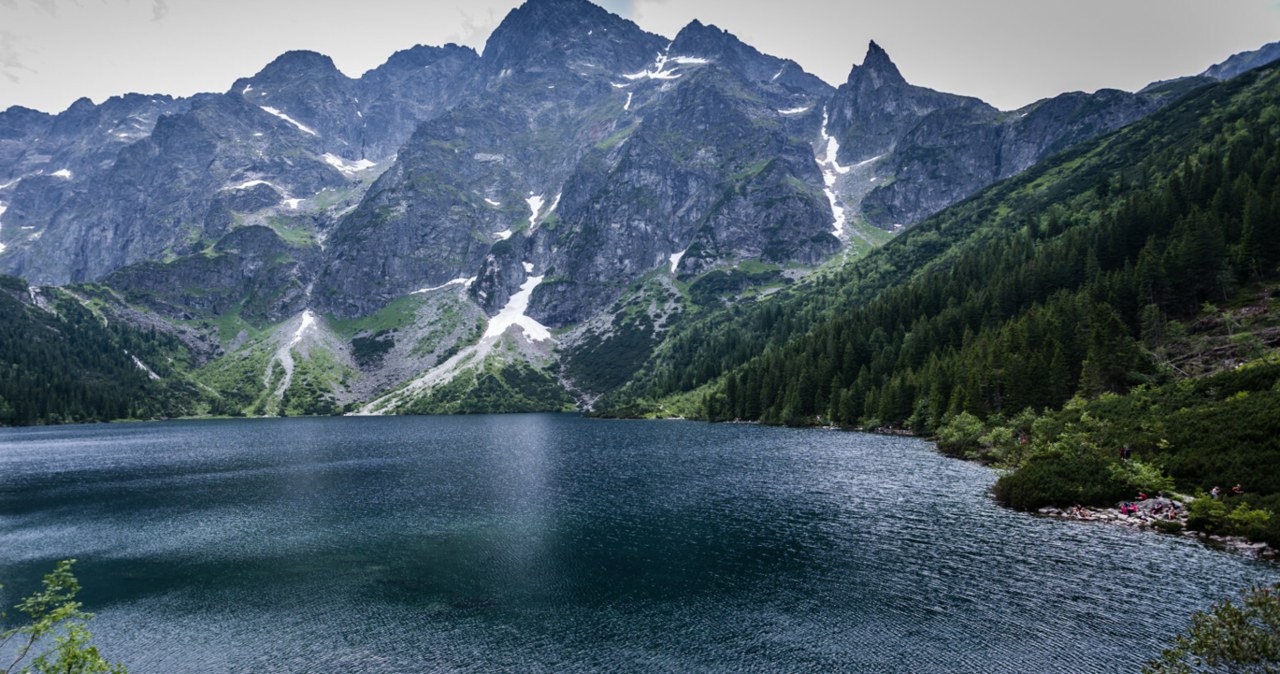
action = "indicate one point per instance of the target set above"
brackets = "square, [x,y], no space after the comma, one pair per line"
[531,166]
[932,149]
[709,173]
[45,159]
[156,196]
[947,157]
[81,139]
[415,84]
[475,176]
[308,88]
[431,217]
[780,82]
[1052,125]
[251,268]
[99,187]
[365,118]
[871,112]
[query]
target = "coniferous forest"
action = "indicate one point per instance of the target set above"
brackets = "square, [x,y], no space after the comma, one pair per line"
[65,364]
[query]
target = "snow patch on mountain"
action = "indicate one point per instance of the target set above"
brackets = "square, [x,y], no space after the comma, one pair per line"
[831,171]
[348,168]
[446,284]
[675,259]
[511,315]
[514,314]
[301,127]
[689,60]
[251,183]
[137,362]
[308,322]
[535,202]
[284,355]
[658,70]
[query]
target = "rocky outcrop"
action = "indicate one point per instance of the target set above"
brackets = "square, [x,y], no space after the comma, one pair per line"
[708,177]
[1243,61]
[250,271]
[932,149]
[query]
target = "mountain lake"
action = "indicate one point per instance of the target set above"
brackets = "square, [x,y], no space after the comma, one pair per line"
[556,543]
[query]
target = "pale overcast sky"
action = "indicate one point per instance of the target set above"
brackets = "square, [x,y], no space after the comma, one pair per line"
[1007,52]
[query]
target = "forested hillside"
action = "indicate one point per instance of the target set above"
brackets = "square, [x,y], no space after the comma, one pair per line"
[1068,279]
[60,362]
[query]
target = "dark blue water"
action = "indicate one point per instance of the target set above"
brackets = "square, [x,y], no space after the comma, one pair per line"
[556,543]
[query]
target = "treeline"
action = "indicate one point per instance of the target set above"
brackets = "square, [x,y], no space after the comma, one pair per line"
[1069,301]
[66,364]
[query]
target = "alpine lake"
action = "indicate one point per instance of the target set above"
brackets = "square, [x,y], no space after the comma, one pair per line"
[552,543]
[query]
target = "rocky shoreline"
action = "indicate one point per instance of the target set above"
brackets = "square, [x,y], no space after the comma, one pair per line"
[1150,515]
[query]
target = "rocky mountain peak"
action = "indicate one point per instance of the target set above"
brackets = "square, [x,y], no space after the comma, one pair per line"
[298,64]
[422,56]
[778,79]
[700,37]
[543,34]
[877,68]
[81,106]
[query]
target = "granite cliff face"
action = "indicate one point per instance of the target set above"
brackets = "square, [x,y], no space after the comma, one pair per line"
[596,154]
[709,177]
[929,150]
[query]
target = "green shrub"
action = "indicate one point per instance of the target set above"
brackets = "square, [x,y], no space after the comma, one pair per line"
[1141,477]
[1252,523]
[1060,480]
[1207,515]
[961,435]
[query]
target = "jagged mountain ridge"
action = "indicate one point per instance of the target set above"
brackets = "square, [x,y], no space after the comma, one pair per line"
[578,157]
[930,149]
[154,190]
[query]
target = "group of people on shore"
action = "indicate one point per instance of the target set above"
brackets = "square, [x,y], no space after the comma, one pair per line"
[1151,508]
[1216,493]
[1145,508]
